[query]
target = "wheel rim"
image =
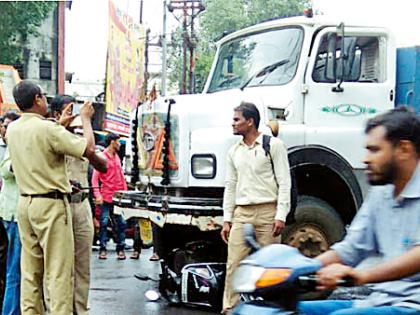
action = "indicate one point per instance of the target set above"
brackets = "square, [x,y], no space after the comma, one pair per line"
[309,239]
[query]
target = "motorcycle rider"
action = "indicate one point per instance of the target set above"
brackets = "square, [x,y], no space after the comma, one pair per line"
[387,224]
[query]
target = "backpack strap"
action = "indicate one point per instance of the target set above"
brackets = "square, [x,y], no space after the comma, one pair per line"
[293,192]
[266,147]
[266,144]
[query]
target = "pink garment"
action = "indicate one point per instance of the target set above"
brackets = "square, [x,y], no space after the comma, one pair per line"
[111,181]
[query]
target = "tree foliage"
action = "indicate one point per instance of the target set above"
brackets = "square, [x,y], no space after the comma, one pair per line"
[18,20]
[221,17]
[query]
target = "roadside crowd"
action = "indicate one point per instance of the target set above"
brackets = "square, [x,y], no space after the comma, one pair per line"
[46,225]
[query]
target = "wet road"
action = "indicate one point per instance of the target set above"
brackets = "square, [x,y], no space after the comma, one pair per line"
[114,290]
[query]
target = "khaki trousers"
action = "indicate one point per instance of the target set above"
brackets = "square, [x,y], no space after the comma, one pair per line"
[262,218]
[46,233]
[83,239]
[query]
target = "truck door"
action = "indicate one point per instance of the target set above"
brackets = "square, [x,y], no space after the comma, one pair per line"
[347,83]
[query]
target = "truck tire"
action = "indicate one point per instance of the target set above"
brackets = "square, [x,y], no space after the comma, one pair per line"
[317,227]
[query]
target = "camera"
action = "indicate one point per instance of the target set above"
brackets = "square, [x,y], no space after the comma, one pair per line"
[76,107]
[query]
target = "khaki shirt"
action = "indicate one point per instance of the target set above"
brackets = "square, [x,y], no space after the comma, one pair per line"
[77,169]
[37,149]
[250,178]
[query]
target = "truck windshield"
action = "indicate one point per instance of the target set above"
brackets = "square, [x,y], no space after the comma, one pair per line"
[248,61]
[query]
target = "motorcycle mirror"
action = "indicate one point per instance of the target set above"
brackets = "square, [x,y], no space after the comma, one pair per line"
[249,235]
[152,295]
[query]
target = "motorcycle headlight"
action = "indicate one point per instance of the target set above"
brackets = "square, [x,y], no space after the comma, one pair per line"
[203,166]
[271,277]
[248,278]
[245,278]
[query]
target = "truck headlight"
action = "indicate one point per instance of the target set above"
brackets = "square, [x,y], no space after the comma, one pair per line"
[203,166]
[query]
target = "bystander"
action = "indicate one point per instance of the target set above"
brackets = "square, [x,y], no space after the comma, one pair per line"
[111,181]
[8,206]
[257,191]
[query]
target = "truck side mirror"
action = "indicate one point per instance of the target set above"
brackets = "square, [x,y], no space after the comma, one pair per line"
[331,61]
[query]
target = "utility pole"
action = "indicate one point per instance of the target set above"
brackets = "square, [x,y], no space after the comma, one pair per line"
[141,11]
[146,61]
[184,49]
[164,49]
[191,44]
[190,8]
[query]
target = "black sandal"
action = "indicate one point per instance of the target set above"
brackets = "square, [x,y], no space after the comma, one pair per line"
[135,255]
[121,255]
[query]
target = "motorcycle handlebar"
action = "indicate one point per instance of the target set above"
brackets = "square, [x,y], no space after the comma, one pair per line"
[311,281]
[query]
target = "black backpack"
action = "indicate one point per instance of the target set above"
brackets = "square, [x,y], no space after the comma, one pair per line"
[293,191]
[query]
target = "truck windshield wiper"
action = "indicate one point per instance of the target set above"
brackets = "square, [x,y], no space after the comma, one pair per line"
[266,70]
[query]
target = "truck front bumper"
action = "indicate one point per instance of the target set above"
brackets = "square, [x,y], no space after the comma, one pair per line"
[205,213]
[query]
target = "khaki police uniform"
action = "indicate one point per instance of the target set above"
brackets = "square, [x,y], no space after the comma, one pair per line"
[37,150]
[82,233]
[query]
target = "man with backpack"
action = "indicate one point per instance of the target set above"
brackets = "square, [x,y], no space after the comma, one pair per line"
[257,191]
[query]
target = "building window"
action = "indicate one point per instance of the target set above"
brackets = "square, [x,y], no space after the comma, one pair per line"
[45,70]
[20,69]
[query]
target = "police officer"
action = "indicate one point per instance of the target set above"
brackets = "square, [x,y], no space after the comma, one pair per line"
[77,168]
[37,149]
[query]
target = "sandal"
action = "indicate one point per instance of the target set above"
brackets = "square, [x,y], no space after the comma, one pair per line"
[102,254]
[121,255]
[154,257]
[135,255]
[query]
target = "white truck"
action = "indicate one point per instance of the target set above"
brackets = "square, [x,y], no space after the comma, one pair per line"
[314,90]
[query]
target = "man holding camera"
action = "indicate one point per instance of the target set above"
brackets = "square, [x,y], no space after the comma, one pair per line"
[77,168]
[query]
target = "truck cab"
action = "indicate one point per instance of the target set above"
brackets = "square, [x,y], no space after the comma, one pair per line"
[315,83]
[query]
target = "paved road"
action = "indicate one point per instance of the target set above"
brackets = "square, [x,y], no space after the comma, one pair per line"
[114,290]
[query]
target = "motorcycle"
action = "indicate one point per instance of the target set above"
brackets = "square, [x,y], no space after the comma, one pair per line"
[187,277]
[273,279]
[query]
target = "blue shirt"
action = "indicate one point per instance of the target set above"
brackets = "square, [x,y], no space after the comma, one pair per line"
[388,227]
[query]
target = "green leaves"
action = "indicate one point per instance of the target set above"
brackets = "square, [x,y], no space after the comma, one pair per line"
[18,19]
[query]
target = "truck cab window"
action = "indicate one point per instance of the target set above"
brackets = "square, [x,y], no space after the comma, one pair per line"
[242,59]
[362,60]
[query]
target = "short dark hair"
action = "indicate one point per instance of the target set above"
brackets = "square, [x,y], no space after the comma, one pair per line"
[400,123]
[24,94]
[111,137]
[58,102]
[11,115]
[249,110]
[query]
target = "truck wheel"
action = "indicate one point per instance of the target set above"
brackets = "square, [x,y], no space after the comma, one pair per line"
[317,227]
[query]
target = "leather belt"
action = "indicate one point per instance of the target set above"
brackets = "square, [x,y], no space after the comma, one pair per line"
[50,195]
